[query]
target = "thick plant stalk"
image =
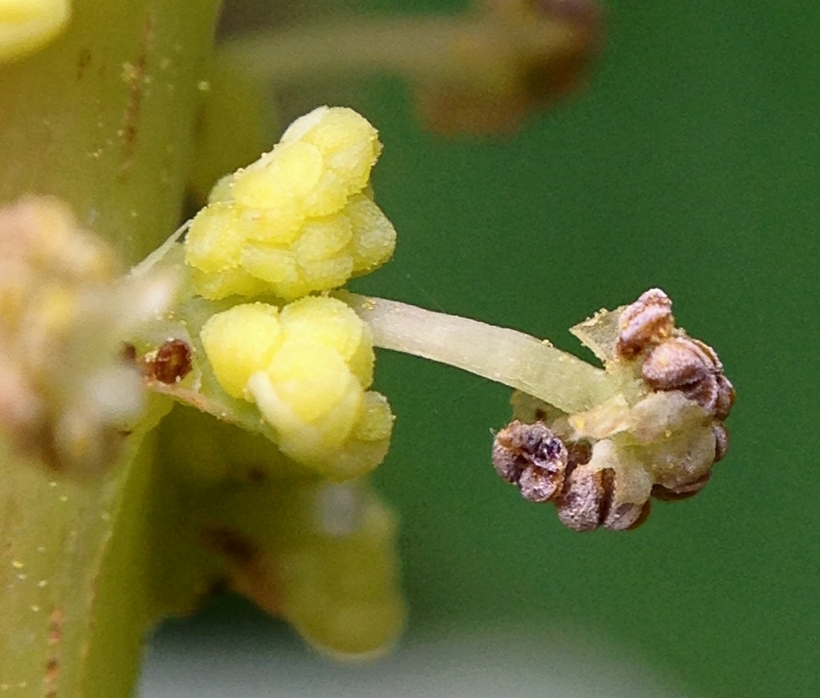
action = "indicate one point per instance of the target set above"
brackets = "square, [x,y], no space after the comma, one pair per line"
[87,119]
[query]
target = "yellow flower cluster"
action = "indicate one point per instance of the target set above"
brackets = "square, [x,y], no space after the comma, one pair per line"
[298,220]
[307,368]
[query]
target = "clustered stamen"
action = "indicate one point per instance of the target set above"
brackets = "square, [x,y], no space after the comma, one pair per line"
[658,438]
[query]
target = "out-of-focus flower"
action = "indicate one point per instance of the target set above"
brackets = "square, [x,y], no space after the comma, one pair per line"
[66,393]
[27,25]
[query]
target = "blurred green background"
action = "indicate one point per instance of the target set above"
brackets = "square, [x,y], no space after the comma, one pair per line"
[692,163]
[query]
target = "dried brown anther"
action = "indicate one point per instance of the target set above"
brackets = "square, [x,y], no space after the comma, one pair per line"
[674,494]
[721,440]
[587,502]
[692,367]
[726,398]
[532,457]
[642,324]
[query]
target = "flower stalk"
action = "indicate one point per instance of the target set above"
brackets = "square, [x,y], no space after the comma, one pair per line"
[506,356]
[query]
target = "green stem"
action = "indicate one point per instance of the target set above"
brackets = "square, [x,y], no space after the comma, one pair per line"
[503,355]
[104,118]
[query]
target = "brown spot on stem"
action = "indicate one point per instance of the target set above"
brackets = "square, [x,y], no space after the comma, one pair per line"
[55,627]
[251,572]
[52,668]
[257,475]
[82,62]
[134,74]
[128,352]
[52,674]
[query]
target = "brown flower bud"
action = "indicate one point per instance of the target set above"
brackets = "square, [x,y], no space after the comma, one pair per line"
[646,322]
[692,367]
[532,457]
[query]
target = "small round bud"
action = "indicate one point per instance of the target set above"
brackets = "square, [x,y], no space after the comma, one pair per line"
[299,220]
[532,457]
[644,323]
[241,341]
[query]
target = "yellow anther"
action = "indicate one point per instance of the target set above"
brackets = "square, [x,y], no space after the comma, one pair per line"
[241,341]
[334,324]
[307,370]
[299,219]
